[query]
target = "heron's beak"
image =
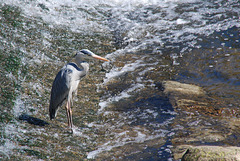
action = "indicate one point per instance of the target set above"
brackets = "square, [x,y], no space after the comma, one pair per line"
[99,57]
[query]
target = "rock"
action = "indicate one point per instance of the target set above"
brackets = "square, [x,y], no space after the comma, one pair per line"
[195,106]
[183,95]
[190,98]
[179,151]
[200,136]
[173,87]
[205,153]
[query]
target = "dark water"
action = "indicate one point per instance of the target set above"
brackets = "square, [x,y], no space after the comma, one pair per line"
[120,112]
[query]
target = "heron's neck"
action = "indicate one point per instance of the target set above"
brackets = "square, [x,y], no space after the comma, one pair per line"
[84,66]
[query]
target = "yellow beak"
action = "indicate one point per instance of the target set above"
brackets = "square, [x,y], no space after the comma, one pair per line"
[99,57]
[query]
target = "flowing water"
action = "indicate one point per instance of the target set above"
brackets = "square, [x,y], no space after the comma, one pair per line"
[120,113]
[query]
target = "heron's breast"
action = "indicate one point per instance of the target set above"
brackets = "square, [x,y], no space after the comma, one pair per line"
[74,84]
[72,76]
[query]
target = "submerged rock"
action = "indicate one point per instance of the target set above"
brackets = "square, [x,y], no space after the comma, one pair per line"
[190,98]
[177,88]
[196,108]
[184,96]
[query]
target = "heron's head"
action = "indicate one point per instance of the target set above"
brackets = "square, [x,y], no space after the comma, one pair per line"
[86,54]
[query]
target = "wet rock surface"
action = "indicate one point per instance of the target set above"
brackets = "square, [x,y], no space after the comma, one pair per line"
[202,153]
[191,98]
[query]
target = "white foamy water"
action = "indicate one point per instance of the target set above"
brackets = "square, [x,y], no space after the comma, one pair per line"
[122,95]
[123,138]
[142,22]
[12,133]
[127,68]
[137,26]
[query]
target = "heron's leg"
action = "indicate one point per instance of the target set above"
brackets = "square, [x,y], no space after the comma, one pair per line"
[67,111]
[70,114]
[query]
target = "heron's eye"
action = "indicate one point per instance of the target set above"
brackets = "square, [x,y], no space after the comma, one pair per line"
[86,52]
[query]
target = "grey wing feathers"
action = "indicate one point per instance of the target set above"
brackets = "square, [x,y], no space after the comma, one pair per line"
[59,92]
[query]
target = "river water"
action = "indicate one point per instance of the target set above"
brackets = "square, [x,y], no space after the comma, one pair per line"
[119,112]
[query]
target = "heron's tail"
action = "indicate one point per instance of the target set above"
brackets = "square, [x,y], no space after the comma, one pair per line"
[52,112]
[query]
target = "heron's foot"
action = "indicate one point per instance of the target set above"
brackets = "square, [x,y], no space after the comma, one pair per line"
[69,131]
[72,131]
[72,128]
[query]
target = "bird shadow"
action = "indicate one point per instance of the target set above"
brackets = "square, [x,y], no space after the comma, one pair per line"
[33,120]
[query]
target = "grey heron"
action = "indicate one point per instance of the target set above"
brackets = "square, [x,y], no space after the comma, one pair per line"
[66,83]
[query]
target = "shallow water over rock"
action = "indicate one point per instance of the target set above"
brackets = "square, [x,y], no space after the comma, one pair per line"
[121,111]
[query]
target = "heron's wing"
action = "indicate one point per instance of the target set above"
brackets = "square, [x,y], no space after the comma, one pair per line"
[60,90]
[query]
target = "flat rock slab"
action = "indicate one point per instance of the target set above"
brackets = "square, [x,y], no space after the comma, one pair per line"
[206,153]
[190,98]
[173,87]
[182,95]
